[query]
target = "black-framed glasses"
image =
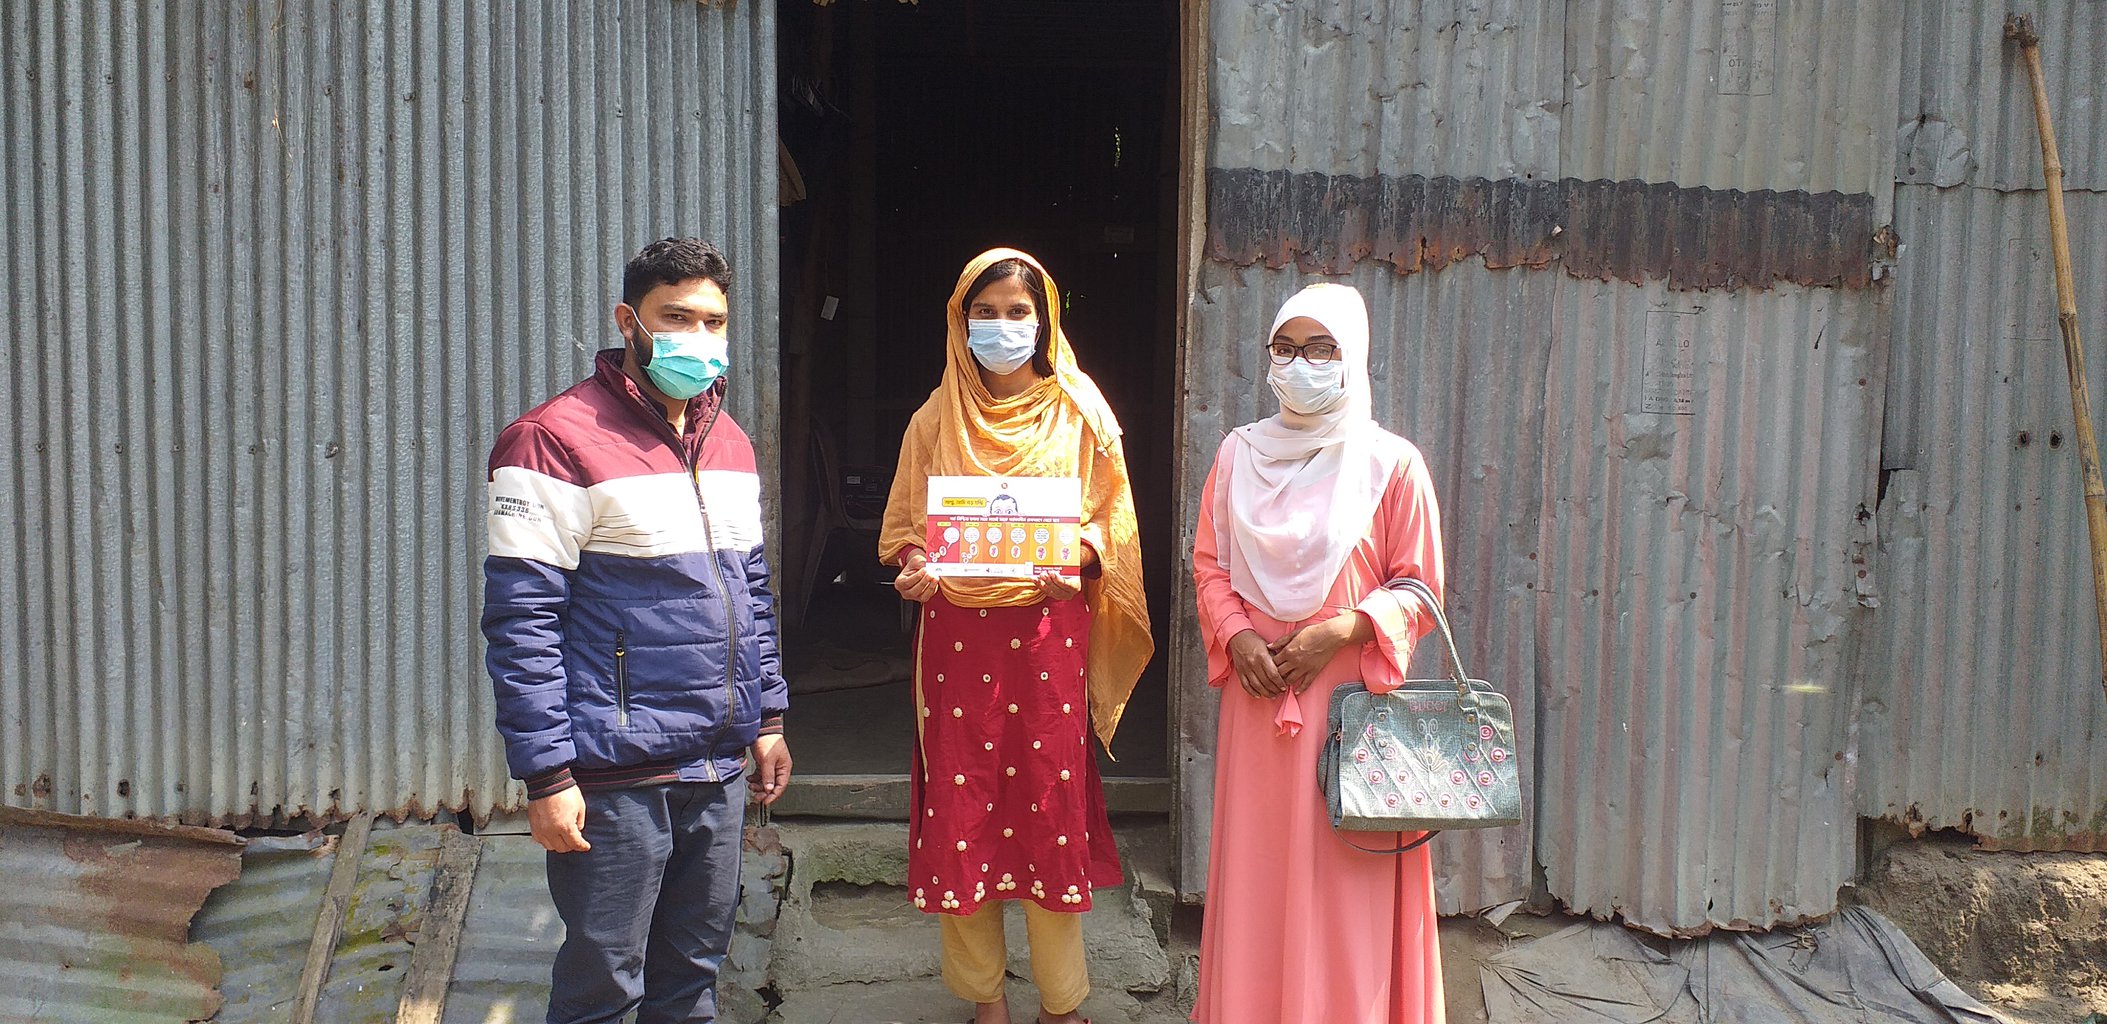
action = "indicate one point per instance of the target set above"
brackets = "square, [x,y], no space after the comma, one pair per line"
[1316,352]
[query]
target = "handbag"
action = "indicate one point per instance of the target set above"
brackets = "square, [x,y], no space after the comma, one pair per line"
[1431,755]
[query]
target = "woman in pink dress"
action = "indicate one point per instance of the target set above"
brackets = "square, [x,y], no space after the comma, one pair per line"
[1306,515]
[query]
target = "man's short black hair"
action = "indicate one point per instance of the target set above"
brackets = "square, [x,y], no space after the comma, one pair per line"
[671,261]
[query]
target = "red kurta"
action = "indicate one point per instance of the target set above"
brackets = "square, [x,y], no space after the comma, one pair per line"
[1006,801]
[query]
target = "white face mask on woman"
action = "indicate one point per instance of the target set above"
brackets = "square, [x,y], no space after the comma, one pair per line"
[1307,388]
[1002,345]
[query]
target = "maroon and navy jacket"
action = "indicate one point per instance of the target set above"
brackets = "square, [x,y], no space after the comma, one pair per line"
[626,603]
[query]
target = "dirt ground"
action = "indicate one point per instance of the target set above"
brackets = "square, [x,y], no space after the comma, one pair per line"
[2026,933]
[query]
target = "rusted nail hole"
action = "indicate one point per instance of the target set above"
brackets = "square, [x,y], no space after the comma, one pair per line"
[2025,438]
[2055,439]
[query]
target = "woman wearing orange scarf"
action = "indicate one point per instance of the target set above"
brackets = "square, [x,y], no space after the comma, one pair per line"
[1012,676]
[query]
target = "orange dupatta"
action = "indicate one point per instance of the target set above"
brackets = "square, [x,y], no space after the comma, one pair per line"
[1060,426]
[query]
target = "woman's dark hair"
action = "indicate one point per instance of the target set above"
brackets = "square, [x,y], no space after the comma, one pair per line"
[672,261]
[1033,283]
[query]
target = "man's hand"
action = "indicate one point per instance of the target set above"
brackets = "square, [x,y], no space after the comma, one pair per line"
[1254,665]
[916,582]
[558,821]
[771,769]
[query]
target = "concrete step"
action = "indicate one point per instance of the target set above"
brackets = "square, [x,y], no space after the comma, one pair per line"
[927,1001]
[846,919]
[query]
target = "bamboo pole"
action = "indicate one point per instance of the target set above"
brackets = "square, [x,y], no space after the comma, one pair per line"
[2020,28]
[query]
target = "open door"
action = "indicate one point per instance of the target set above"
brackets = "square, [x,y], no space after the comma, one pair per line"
[915,137]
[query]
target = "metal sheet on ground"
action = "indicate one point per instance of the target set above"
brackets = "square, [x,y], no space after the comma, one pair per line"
[508,939]
[263,923]
[95,919]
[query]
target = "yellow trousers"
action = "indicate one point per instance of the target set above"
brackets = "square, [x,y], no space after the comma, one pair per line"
[976,956]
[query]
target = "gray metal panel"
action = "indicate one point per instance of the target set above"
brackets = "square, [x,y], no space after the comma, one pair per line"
[1734,94]
[1983,708]
[509,938]
[262,923]
[1702,599]
[1458,366]
[274,277]
[1967,111]
[1466,88]
[95,915]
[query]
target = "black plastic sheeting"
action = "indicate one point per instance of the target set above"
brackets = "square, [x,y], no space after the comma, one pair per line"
[1853,969]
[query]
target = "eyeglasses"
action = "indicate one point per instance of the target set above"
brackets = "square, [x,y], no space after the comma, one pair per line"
[1314,352]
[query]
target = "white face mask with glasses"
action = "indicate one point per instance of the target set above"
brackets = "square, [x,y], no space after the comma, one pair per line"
[1308,379]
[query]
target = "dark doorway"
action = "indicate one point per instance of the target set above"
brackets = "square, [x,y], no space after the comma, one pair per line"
[916,136]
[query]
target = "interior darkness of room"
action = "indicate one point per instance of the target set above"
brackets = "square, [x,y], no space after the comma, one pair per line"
[915,136]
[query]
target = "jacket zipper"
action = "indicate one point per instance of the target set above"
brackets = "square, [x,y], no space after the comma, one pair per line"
[621,681]
[731,621]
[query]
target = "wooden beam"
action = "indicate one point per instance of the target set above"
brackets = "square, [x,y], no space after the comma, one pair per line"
[439,939]
[329,920]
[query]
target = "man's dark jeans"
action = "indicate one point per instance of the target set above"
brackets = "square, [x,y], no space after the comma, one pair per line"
[648,911]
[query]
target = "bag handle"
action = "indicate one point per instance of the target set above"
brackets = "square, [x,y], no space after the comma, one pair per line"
[1419,588]
[1407,848]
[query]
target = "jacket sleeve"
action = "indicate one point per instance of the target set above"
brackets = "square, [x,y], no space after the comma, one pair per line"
[775,691]
[539,517]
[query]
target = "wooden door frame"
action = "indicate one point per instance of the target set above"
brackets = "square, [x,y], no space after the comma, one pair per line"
[1187,665]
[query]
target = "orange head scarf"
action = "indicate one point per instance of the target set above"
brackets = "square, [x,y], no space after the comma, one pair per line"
[1060,426]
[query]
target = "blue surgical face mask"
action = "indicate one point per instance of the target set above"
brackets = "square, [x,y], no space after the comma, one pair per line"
[685,363]
[1002,345]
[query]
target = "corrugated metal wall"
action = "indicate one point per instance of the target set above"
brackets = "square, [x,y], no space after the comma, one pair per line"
[1701,597]
[1983,708]
[1968,112]
[1676,596]
[1347,88]
[275,274]
[1459,368]
[1466,89]
[1711,460]
[1733,94]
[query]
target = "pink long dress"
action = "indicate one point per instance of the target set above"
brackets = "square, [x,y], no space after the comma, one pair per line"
[1300,928]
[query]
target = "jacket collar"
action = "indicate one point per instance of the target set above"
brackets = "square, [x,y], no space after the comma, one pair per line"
[607,369]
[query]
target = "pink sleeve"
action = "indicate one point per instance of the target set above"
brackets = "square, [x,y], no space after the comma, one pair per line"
[1222,612]
[1407,532]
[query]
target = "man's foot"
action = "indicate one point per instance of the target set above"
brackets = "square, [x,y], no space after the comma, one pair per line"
[1065,1018]
[997,1012]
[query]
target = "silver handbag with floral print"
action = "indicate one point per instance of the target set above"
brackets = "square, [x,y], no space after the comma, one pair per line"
[1429,756]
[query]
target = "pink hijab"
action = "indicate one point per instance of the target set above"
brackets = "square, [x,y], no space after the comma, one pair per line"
[1302,489]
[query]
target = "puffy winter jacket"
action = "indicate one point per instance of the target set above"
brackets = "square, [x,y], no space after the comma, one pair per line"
[626,599]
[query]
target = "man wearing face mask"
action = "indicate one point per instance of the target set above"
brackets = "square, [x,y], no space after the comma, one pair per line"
[632,646]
